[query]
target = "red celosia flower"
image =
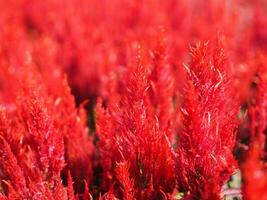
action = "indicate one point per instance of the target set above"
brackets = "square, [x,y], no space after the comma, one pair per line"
[122,172]
[39,156]
[38,135]
[254,167]
[205,160]
[78,144]
[254,171]
[162,87]
[130,132]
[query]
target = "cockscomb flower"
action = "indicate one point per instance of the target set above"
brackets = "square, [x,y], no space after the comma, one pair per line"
[204,156]
[254,169]
[127,184]
[21,47]
[162,87]
[79,147]
[44,136]
[39,157]
[129,134]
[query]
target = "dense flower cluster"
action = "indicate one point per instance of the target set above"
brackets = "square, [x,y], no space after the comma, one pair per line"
[134,100]
[205,145]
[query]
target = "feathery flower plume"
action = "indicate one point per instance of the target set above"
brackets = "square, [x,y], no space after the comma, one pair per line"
[130,133]
[204,157]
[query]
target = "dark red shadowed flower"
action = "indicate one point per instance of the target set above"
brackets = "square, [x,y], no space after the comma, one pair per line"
[254,169]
